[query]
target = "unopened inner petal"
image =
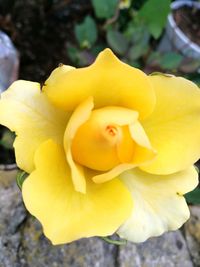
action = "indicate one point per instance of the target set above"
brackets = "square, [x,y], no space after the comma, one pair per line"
[104,140]
[96,141]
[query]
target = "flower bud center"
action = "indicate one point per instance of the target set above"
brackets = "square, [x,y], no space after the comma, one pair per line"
[111,130]
[99,142]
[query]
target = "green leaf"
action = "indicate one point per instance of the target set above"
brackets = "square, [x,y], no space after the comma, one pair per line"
[21,176]
[154,14]
[7,139]
[86,32]
[79,57]
[120,242]
[134,63]
[117,41]
[193,197]
[154,57]
[170,60]
[161,74]
[105,9]
[140,35]
[73,54]
[136,51]
[97,49]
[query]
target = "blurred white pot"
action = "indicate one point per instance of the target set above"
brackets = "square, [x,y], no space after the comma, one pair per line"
[175,39]
[9,62]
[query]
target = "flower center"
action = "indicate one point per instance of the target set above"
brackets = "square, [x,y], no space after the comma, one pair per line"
[99,142]
[111,130]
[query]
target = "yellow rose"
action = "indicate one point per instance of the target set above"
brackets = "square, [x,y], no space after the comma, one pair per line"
[108,149]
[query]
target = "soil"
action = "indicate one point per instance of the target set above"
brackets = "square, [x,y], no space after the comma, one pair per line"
[41,29]
[188,20]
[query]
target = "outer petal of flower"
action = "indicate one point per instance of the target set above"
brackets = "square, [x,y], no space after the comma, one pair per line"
[58,72]
[27,111]
[159,204]
[110,81]
[66,214]
[174,126]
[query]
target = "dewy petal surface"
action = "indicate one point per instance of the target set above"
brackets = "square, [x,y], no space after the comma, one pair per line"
[110,81]
[174,126]
[66,214]
[159,204]
[25,110]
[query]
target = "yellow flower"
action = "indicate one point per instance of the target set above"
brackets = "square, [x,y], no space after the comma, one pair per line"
[108,149]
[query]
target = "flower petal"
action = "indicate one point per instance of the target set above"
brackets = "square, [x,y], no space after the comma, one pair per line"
[159,204]
[110,81]
[143,153]
[174,126]
[93,145]
[79,116]
[25,110]
[66,214]
[58,72]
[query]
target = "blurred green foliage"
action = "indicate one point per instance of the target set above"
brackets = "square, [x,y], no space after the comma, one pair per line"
[104,9]
[7,139]
[154,14]
[21,176]
[132,29]
[193,197]
[127,27]
[86,32]
[117,41]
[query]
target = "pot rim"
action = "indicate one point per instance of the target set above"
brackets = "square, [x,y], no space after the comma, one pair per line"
[176,5]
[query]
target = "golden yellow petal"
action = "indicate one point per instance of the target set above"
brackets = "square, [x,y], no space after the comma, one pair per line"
[126,146]
[58,72]
[95,142]
[79,116]
[174,126]
[140,149]
[66,214]
[110,81]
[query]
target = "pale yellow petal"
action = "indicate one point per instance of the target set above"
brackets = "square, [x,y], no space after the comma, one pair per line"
[174,126]
[159,205]
[138,134]
[66,214]
[25,110]
[110,81]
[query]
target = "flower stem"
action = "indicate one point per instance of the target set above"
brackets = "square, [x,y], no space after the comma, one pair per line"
[120,242]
